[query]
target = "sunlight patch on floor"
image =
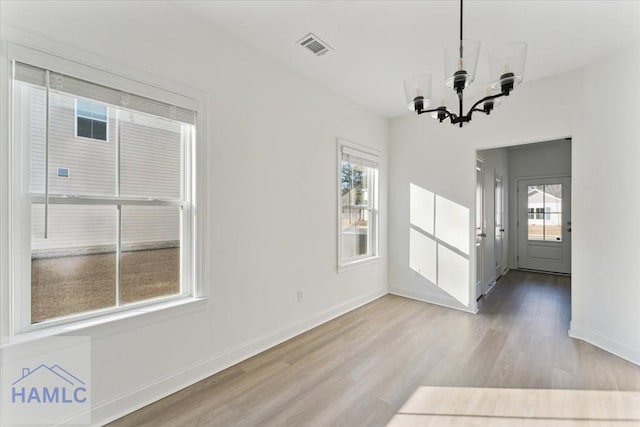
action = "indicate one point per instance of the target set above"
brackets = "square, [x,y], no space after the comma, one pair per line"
[469,406]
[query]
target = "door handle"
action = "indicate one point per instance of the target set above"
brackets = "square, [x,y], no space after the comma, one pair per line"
[502,230]
[482,235]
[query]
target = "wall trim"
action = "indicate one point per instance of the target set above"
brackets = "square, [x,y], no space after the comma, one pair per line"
[151,392]
[431,299]
[599,340]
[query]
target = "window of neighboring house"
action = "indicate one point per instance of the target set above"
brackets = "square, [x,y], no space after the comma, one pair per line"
[544,222]
[358,203]
[91,119]
[118,233]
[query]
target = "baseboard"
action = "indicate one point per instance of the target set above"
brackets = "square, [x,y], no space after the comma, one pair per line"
[490,287]
[553,273]
[431,299]
[133,400]
[607,344]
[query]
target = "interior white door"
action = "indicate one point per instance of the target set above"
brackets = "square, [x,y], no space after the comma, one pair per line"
[499,224]
[480,230]
[544,224]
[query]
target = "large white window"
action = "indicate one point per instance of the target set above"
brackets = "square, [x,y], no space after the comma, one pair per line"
[116,229]
[357,203]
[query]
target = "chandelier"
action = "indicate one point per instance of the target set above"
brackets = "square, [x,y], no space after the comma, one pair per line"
[460,60]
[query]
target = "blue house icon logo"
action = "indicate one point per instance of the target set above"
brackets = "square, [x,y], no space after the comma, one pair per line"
[48,385]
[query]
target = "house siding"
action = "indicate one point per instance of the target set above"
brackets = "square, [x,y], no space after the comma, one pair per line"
[150,167]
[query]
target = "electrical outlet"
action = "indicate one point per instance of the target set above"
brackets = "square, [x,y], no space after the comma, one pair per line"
[300,295]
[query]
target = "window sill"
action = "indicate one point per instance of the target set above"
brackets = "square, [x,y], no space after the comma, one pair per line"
[358,264]
[150,313]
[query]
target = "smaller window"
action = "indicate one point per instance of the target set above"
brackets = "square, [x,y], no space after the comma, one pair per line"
[358,204]
[91,120]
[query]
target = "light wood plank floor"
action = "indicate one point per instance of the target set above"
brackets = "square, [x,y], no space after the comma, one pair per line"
[361,368]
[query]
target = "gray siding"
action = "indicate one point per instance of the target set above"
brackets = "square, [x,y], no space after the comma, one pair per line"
[150,167]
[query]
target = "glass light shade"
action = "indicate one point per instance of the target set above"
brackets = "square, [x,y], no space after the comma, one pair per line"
[460,64]
[507,65]
[416,86]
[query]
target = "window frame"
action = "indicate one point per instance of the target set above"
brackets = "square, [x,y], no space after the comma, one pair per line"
[75,121]
[368,154]
[15,231]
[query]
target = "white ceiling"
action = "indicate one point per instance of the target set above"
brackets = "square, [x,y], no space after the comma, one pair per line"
[379,43]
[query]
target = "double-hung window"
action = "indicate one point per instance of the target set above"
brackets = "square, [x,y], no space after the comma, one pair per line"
[115,229]
[357,203]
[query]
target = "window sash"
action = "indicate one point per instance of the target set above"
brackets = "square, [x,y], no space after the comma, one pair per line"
[370,161]
[103,200]
[24,201]
[359,157]
[82,116]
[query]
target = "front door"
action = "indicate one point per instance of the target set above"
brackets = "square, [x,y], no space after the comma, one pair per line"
[544,224]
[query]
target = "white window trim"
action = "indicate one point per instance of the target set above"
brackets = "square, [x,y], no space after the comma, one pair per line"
[75,122]
[14,242]
[369,154]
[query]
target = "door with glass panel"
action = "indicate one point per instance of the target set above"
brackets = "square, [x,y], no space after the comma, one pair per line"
[544,224]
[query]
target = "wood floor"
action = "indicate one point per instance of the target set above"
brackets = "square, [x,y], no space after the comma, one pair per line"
[361,368]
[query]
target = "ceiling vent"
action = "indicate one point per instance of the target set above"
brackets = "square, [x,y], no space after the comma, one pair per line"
[314,44]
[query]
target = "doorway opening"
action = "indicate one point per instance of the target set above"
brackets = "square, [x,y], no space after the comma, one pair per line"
[523,193]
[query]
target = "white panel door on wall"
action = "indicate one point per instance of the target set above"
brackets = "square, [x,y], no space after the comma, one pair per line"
[480,229]
[499,223]
[544,224]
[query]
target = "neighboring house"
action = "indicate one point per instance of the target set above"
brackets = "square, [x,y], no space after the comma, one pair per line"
[83,161]
[354,222]
[542,207]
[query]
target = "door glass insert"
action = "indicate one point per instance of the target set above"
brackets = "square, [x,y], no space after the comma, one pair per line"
[544,212]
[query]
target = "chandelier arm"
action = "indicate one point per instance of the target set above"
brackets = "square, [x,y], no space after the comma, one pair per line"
[447,112]
[486,98]
[452,116]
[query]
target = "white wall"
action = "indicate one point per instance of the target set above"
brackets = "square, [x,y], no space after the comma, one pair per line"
[441,159]
[552,158]
[272,198]
[606,247]
[600,112]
